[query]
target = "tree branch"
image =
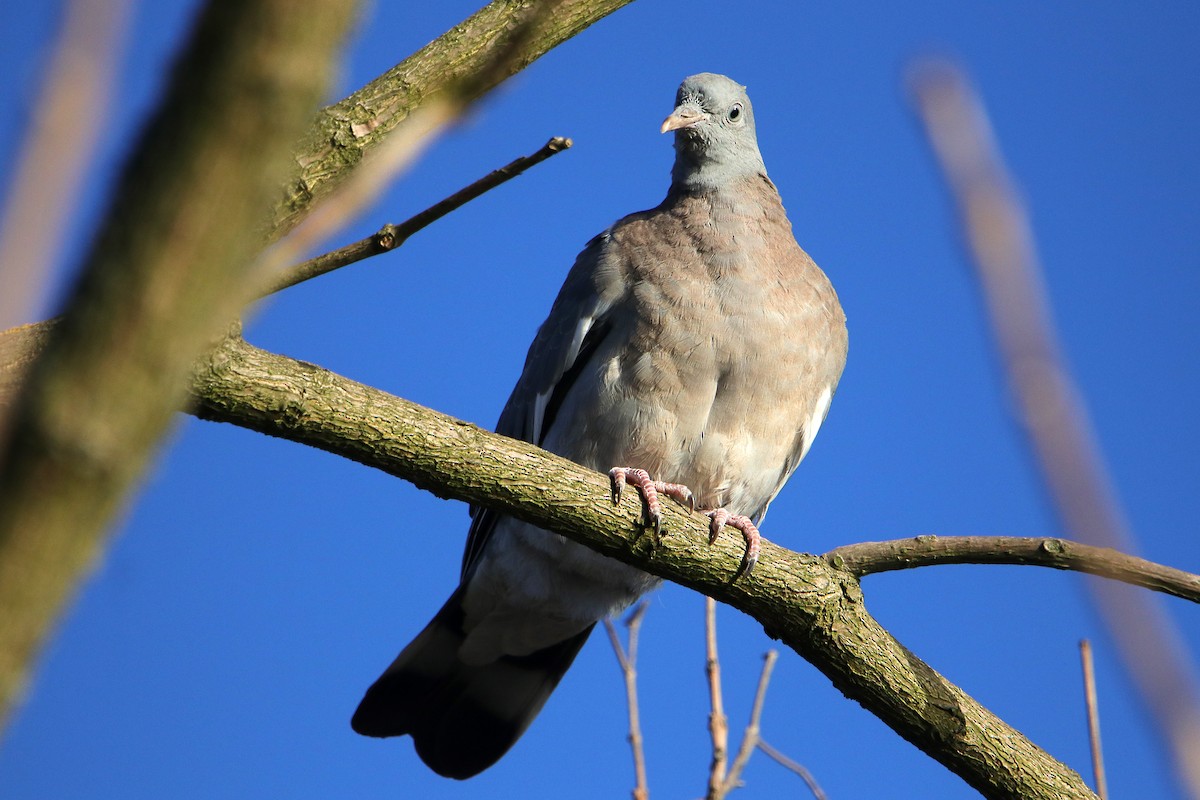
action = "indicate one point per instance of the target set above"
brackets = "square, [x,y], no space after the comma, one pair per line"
[166,273]
[1048,403]
[867,558]
[628,664]
[813,608]
[752,736]
[391,236]
[346,131]
[794,766]
[169,268]
[1092,707]
[718,723]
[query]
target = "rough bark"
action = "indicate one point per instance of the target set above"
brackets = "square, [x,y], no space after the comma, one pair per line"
[802,600]
[345,132]
[168,271]
[868,558]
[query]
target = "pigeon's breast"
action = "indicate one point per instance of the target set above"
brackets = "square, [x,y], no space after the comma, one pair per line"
[716,357]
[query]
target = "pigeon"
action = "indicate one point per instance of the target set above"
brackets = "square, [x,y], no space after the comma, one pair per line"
[692,352]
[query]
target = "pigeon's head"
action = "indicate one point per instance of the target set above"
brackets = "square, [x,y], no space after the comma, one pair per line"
[715,142]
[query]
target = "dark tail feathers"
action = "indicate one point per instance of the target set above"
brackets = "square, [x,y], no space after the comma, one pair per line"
[462,718]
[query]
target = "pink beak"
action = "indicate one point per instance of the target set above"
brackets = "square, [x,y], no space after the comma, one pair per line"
[683,117]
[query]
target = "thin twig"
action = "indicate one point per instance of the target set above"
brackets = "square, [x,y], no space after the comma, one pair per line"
[628,663]
[1093,717]
[395,155]
[1049,401]
[795,767]
[391,236]
[752,735]
[867,558]
[401,147]
[718,725]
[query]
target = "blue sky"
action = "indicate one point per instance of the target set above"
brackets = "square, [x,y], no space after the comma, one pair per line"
[257,587]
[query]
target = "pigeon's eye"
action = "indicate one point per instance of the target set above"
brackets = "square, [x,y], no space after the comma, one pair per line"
[735,113]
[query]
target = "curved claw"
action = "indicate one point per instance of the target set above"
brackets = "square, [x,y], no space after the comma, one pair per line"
[680,494]
[650,490]
[616,478]
[640,480]
[719,519]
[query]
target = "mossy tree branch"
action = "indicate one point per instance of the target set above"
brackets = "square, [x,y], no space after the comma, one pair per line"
[345,132]
[88,395]
[812,607]
[166,273]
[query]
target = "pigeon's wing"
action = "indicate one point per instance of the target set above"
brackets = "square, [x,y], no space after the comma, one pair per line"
[563,348]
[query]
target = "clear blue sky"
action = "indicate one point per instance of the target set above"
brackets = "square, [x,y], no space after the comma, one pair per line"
[257,587]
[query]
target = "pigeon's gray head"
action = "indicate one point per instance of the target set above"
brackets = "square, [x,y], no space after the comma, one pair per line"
[715,142]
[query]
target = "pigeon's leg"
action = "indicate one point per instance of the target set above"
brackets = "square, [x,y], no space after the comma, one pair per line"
[649,489]
[720,518]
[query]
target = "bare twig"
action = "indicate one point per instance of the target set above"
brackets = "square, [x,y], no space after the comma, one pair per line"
[795,767]
[1093,717]
[1051,411]
[752,736]
[391,236]
[867,558]
[628,663]
[348,130]
[718,724]
[403,146]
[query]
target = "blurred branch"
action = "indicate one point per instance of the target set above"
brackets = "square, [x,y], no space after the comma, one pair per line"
[390,236]
[166,273]
[811,607]
[464,57]
[751,737]
[628,663]
[1050,408]
[1092,705]
[362,187]
[56,151]
[21,345]
[169,269]
[795,767]
[868,558]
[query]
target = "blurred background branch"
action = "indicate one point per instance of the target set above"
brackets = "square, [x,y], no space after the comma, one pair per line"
[1048,404]
[56,151]
[172,265]
[166,273]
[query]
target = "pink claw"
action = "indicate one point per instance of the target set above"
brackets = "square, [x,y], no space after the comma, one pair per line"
[649,489]
[720,518]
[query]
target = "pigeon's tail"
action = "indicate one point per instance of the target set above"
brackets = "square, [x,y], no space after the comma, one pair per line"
[462,717]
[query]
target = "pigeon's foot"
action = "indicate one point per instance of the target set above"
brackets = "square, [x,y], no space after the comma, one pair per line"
[650,490]
[719,519]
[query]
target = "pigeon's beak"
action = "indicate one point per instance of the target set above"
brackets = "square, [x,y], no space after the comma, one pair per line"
[685,116]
